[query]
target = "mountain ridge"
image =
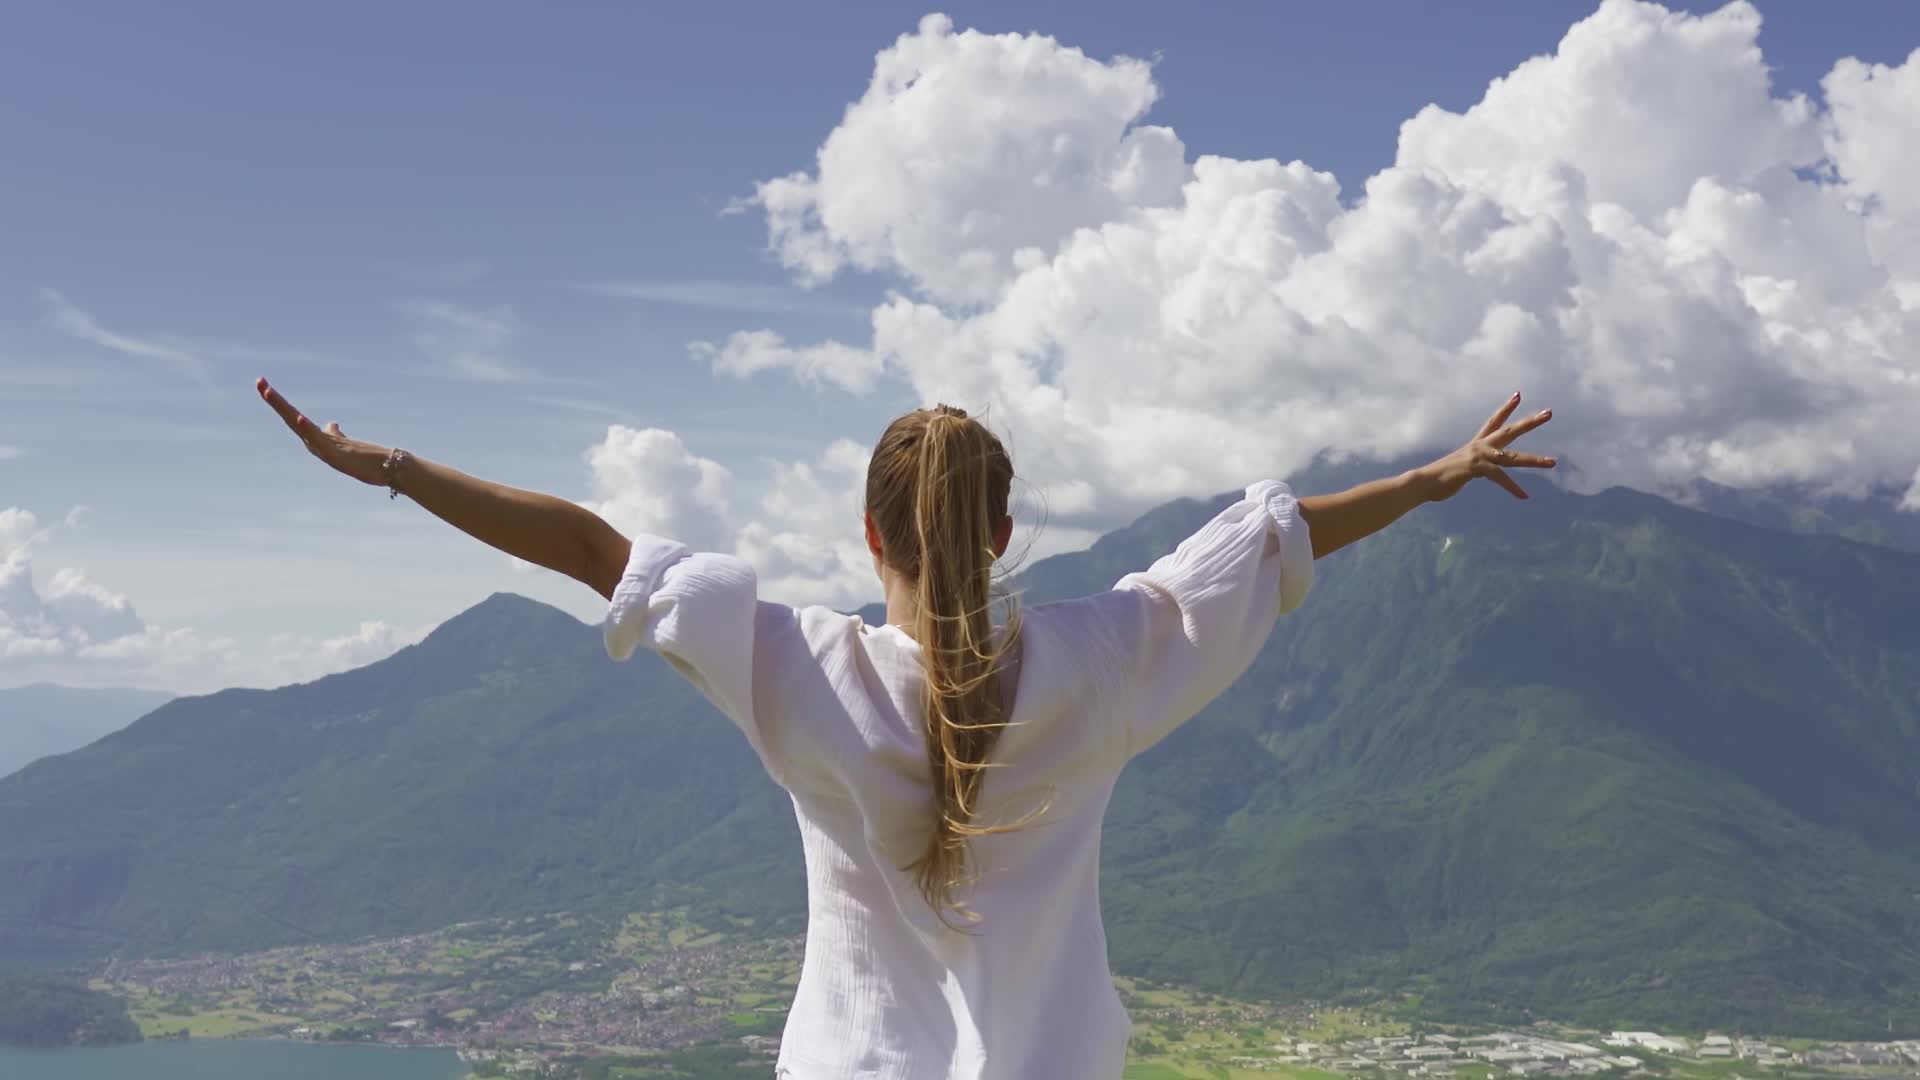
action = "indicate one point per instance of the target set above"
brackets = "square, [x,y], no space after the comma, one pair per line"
[1604,756]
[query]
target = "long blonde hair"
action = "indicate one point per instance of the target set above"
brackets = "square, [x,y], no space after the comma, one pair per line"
[937,492]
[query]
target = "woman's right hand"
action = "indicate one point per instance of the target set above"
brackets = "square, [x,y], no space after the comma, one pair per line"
[364,461]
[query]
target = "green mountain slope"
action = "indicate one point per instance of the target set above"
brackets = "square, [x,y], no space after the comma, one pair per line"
[1602,757]
[503,764]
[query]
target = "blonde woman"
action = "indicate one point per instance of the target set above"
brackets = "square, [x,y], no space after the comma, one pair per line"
[949,769]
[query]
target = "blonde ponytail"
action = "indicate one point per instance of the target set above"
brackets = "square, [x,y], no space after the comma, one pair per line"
[938,489]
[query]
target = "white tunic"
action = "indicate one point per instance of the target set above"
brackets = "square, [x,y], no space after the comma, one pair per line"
[833,709]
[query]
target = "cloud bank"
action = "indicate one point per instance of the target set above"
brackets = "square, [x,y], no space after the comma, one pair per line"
[73,629]
[1704,279]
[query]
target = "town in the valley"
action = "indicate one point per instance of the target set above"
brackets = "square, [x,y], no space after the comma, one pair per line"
[549,996]
[1522,1054]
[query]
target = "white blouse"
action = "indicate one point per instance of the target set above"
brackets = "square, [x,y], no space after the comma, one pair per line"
[833,709]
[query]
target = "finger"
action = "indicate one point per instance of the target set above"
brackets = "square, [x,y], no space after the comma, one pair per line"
[279,403]
[334,429]
[1499,416]
[1515,430]
[1499,476]
[1510,459]
[301,426]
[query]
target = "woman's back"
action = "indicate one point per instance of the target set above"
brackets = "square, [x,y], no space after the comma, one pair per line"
[833,708]
[889,988]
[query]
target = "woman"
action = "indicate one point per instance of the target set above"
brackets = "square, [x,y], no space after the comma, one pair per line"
[949,770]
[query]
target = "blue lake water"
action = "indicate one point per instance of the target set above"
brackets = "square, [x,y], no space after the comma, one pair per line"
[230,1059]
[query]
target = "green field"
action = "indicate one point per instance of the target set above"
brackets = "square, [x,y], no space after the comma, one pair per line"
[1160,1070]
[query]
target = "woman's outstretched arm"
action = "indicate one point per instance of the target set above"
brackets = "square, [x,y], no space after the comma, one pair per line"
[1334,521]
[541,529]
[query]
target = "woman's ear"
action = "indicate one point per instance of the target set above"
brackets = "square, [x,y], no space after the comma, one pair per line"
[1002,536]
[873,535]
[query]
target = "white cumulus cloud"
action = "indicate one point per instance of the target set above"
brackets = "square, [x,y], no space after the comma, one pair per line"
[969,155]
[1874,142]
[1704,278]
[801,529]
[646,480]
[71,600]
[304,657]
[805,536]
[750,352]
[72,622]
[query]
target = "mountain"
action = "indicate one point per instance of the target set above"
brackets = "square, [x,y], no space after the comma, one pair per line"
[1603,757]
[502,764]
[43,719]
[1874,517]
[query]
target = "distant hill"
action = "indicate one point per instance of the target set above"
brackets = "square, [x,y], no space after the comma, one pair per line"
[1874,518]
[43,719]
[1602,757]
[40,1011]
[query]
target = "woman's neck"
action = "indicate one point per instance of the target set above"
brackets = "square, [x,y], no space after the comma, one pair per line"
[902,606]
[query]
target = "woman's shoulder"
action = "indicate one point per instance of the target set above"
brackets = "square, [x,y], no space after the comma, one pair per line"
[1078,637]
[821,628]
[1076,614]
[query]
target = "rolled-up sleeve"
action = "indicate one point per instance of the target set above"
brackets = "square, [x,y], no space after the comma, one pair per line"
[1192,623]
[697,610]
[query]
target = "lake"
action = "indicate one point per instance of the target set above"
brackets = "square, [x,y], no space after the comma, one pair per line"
[230,1059]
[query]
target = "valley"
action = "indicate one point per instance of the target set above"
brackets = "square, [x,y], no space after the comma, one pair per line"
[664,994]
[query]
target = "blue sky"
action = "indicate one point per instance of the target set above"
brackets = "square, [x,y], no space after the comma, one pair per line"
[486,231]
